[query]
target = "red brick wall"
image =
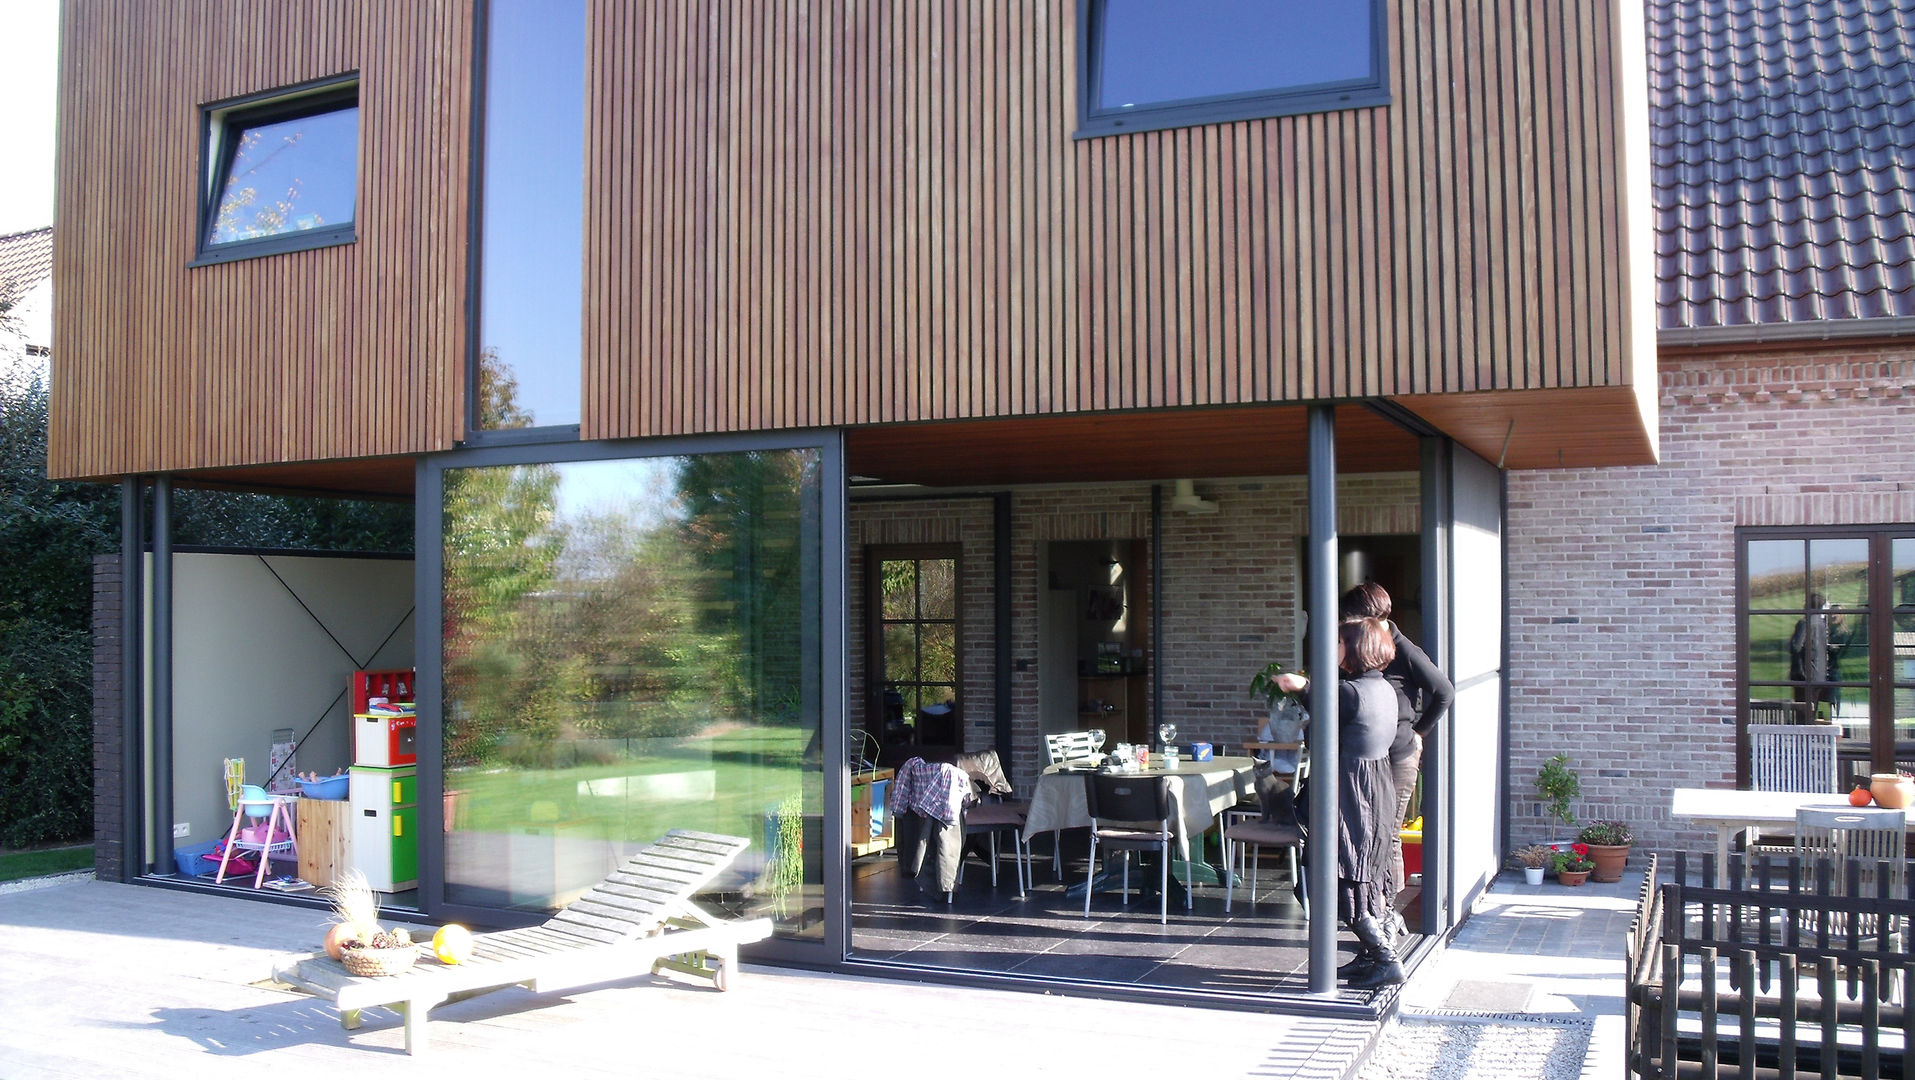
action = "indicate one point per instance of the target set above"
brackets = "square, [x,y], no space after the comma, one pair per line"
[1229,589]
[1622,581]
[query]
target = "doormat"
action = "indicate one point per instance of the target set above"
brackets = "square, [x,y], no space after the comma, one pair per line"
[1496,1046]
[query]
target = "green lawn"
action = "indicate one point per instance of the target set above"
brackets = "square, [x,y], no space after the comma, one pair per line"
[732,780]
[16,865]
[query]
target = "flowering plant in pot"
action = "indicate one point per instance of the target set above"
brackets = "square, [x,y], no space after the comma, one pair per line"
[1573,864]
[1534,859]
[1608,847]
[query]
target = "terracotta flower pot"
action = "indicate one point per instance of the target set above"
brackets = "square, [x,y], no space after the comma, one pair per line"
[1610,860]
[1572,878]
[1892,790]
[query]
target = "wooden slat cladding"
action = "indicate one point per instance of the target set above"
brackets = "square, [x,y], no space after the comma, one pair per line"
[849,213]
[341,352]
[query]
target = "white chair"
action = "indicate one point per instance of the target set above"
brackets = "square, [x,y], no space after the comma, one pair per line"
[1069,746]
[1790,757]
[1793,757]
[1872,842]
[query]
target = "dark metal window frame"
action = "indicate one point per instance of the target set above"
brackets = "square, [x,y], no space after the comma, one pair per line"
[875,556]
[221,124]
[1880,681]
[1094,122]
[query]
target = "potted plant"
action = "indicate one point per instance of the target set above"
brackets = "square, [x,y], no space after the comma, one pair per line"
[1557,784]
[1608,843]
[1573,864]
[1534,859]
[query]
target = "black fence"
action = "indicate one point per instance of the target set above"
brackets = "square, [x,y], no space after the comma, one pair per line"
[1794,969]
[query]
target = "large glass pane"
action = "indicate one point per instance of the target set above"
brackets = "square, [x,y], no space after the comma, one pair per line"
[1775,574]
[1770,651]
[1903,673]
[1901,587]
[901,652]
[631,647]
[939,655]
[1838,570]
[937,588]
[898,584]
[1152,52]
[289,176]
[531,246]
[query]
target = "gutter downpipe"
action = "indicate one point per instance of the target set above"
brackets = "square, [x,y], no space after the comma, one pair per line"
[161,827]
[132,706]
[1320,648]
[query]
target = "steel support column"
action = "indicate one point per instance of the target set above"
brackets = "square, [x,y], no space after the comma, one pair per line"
[1321,651]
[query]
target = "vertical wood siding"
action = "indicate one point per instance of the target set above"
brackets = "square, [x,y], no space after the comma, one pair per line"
[861,212]
[348,351]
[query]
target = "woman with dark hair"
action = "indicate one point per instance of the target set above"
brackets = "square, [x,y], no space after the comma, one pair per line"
[1366,726]
[1423,697]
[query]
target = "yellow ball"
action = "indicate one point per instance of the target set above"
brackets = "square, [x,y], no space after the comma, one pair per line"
[452,944]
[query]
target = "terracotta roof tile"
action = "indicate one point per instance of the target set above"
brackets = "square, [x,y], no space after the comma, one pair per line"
[1782,147]
[25,258]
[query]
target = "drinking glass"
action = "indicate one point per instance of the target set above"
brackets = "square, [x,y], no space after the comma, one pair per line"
[1096,738]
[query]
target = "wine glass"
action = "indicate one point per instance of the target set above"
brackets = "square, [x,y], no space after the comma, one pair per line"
[1167,732]
[1096,739]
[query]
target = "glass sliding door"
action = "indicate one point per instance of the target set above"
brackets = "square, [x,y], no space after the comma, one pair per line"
[631,646]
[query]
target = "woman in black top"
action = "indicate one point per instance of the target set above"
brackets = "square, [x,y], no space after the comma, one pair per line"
[1423,697]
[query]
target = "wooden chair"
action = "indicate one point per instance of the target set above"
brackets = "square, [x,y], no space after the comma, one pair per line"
[1867,850]
[641,918]
[1790,757]
[1793,757]
[1130,813]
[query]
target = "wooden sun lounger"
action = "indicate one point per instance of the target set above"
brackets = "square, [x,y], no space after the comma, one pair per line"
[640,918]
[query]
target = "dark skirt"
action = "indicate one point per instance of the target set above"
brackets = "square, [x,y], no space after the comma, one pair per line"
[1366,805]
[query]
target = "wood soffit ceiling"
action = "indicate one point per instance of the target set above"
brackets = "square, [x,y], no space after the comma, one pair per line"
[1573,428]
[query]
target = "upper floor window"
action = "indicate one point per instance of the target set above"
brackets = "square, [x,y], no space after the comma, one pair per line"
[1148,65]
[282,172]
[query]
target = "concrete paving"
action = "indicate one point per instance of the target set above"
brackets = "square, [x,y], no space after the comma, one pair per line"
[105,978]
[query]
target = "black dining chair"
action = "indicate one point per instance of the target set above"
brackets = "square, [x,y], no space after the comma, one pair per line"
[1122,808]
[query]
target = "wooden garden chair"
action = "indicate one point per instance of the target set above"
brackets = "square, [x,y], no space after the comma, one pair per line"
[641,918]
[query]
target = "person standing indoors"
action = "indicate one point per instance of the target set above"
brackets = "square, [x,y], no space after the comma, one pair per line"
[1423,695]
[1366,726]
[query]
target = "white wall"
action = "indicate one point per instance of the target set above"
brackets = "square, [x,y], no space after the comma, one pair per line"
[247,658]
[1477,645]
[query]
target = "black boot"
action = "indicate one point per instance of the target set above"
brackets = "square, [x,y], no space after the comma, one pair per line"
[1386,971]
[1359,965]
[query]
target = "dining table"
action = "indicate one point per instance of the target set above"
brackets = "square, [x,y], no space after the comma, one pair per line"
[1730,811]
[1199,791]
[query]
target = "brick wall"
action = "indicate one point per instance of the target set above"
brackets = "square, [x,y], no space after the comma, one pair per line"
[1622,581]
[108,814]
[1229,588]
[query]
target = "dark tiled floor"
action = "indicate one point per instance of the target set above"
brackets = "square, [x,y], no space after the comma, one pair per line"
[1255,950]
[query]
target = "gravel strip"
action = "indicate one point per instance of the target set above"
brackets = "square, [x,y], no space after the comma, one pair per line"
[1497,1048]
[29,884]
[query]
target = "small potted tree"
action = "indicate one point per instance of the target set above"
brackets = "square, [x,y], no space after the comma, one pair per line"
[1534,860]
[1557,784]
[1608,848]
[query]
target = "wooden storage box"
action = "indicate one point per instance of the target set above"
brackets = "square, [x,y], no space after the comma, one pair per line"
[324,827]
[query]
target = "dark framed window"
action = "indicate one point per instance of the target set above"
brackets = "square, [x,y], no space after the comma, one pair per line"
[282,172]
[1826,634]
[914,597]
[1146,65]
